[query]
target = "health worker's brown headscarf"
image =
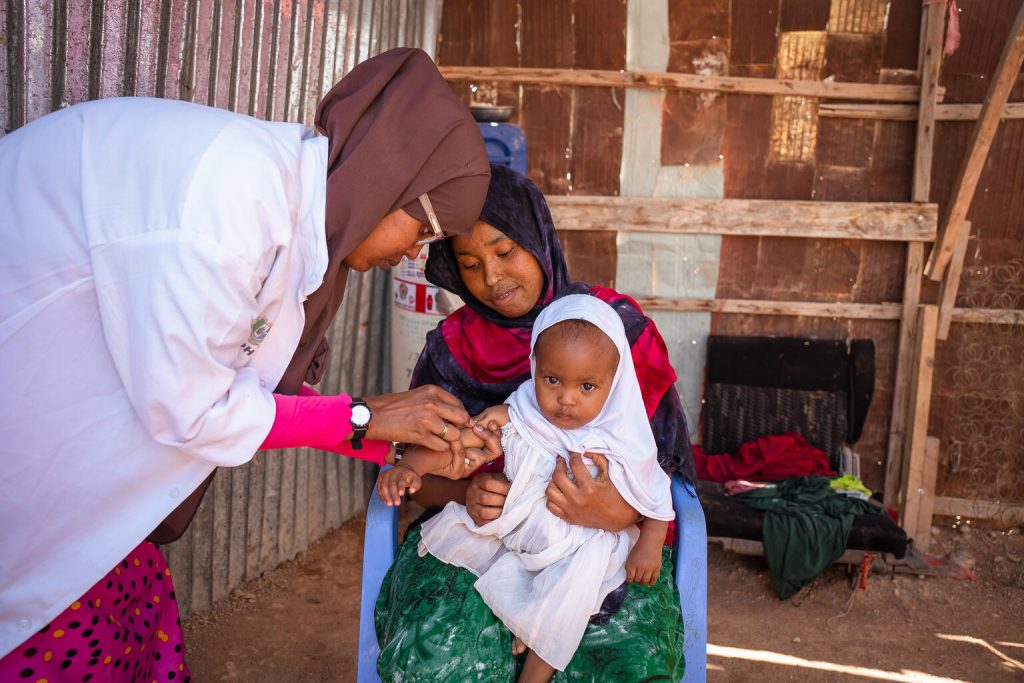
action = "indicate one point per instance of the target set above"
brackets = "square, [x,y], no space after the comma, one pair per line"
[395,131]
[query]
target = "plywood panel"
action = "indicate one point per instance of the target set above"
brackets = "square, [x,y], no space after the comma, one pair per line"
[804,15]
[853,58]
[902,35]
[857,16]
[745,146]
[753,39]
[892,163]
[845,143]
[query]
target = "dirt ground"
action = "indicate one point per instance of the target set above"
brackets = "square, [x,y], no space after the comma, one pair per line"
[301,621]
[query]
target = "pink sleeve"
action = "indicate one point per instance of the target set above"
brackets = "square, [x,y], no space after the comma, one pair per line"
[314,421]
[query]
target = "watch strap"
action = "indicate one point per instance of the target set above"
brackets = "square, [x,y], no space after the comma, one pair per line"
[358,431]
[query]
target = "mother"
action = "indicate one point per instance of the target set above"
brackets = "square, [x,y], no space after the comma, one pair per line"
[163,267]
[431,624]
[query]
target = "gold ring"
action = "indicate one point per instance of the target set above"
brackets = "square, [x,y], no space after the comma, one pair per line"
[444,431]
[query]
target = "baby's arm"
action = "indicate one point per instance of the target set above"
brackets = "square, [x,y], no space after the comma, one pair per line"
[492,419]
[644,562]
[408,472]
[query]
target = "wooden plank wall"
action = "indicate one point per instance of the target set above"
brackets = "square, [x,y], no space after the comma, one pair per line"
[778,148]
[574,134]
[851,161]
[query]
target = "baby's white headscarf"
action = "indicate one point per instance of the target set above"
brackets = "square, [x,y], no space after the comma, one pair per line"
[620,431]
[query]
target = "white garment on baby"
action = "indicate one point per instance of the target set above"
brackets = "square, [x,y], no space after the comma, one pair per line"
[541,576]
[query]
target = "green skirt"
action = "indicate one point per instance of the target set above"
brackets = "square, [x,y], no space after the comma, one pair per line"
[433,626]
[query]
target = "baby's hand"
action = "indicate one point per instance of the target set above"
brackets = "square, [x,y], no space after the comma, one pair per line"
[461,466]
[393,483]
[494,418]
[643,564]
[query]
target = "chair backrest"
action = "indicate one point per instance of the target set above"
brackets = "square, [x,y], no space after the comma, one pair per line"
[758,386]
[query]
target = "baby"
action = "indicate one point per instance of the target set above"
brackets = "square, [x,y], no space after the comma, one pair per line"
[540,575]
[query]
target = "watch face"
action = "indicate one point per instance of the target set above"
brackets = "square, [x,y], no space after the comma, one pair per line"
[360,415]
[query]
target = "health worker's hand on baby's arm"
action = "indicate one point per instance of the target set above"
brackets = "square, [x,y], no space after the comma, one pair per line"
[477,445]
[424,415]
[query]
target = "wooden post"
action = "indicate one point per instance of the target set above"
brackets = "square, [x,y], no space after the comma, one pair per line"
[932,32]
[914,457]
[954,228]
[923,535]
[950,285]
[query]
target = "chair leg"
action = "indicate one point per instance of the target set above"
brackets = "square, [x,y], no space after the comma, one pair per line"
[691,575]
[380,543]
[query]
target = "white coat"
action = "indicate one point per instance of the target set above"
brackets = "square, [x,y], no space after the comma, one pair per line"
[154,257]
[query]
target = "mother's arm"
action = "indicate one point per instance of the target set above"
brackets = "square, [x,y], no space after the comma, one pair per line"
[583,500]
[588,501]
[483,495]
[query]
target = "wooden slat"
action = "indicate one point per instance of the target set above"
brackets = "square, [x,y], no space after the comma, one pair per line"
[904,358]
[220,550]
[238,536]
[979,509]
[935,18]
[836,220]
[811,309]
[917,423]
[927,503]
[954,229]
[991,316]
[908,112]
[650,79]
[933,23]
[254,514]
[950,285]
[821,309]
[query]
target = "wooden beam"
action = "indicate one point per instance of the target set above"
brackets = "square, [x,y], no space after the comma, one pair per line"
[950,285]
[811,309]
[954,229]
[680,81]
[923,537]
[901,384]
[933,23]
[908,112]
[820,309]
[914,457]
[990,316]
[837,220]
[935,29]
[1012,513]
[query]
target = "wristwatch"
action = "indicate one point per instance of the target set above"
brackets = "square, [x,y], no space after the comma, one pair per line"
[361,416]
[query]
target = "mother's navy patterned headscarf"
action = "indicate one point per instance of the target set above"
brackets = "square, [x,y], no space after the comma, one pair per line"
[516,207]
[481,356]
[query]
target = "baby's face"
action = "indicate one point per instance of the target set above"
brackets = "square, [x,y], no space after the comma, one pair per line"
[574,375]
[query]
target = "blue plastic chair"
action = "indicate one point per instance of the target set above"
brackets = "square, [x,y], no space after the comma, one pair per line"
[690,553]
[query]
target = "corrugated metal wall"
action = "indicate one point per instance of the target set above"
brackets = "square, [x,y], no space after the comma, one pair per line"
[271,59]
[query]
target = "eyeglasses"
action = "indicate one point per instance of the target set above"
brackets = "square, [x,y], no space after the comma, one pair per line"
[435,227]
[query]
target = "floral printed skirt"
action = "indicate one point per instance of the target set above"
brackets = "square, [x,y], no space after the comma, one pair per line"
[433,626]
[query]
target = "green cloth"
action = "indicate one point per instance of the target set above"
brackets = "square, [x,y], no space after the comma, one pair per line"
[806,525]
[433,626]
[848,482]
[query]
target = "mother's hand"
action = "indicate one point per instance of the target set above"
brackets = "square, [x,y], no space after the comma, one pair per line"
[427,415]
[588,501]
